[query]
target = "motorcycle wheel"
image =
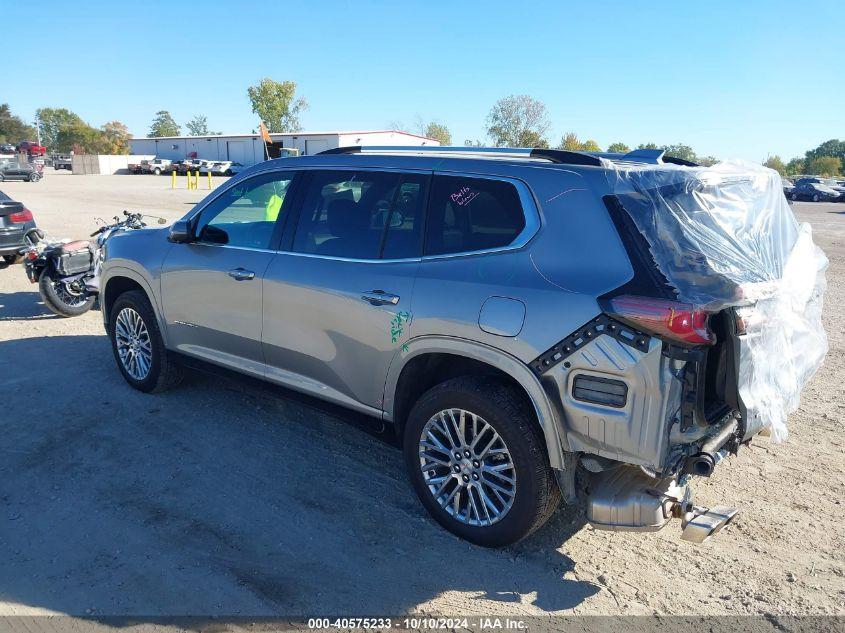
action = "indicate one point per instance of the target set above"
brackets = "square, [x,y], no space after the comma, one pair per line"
[60,300]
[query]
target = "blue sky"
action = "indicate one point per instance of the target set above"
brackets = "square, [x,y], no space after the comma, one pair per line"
[732,79]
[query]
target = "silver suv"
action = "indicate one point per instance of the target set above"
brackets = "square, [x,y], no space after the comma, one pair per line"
[509,312]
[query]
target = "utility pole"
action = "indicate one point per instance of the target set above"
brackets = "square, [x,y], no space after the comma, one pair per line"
[38,131]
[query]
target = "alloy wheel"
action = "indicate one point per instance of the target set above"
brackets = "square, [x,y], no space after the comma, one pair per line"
[467,467]
[133,343]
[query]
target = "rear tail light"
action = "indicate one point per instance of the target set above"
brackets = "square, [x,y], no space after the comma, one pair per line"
[667,319]
[21,217]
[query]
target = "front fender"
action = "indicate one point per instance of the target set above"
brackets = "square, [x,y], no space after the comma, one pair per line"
[124,269]
[552,430]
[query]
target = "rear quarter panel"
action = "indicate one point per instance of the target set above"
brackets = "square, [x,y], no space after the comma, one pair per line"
[575,257]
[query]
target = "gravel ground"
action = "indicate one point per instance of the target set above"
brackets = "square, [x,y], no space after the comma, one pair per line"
[225,497]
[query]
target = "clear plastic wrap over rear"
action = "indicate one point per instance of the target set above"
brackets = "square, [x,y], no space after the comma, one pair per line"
[725,236]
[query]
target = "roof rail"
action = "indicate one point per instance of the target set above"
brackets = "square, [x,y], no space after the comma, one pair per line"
[552,155]
[566,157]
[559,156]
[656,157]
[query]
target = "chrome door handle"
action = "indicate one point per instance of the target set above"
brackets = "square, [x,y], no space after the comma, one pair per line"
[241,274]
[380,298]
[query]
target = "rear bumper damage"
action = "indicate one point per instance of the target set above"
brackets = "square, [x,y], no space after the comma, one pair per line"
[652,411]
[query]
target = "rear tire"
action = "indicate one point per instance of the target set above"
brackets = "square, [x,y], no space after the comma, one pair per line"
[815,197]
[53,299]
[161,372]
[521,457]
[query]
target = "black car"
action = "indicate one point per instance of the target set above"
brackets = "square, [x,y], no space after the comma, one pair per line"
[15,221]
[12,169]
[7,148]
[788,188]
[815,191]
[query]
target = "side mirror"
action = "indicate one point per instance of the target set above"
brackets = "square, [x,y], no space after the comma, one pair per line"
[180,233]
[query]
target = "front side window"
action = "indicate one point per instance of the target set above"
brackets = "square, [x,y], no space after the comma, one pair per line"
[245,215]
[361,214]
[472,214]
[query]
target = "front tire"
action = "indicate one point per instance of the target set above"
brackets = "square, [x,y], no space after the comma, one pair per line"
[157,171]
[61,300]
[478,463]
[138,346]
[815,197]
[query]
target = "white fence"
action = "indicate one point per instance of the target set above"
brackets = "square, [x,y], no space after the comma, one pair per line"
[105,164]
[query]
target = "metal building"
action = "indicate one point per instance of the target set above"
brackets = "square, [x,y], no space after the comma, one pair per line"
[249,149]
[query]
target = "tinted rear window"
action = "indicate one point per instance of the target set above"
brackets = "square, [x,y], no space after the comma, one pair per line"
[472,214]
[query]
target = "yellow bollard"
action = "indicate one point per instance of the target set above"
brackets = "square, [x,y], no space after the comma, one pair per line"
[173,179]
[209,181]
[188,174]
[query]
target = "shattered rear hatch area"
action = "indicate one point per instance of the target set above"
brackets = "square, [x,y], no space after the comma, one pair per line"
[725,238]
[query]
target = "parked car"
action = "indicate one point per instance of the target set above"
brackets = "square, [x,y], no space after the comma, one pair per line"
[522,319]
[15,222]
[815,191]
[224,168]
[7,148]
[831,183]
[156,166]
[788,186]
[136,165]
[13,169]
[62,161]
[30,148]
[203,165]
[191,164]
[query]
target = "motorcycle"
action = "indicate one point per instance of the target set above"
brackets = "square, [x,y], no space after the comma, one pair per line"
[68,273]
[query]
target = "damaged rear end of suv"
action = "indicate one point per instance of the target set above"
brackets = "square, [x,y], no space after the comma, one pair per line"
[708,344]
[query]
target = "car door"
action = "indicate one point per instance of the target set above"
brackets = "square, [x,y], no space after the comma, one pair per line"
[338,298]
[212,287]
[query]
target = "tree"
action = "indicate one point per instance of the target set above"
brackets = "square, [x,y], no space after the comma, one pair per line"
[198,126]
[12,128]
[275,104]
[470,143]
[518,121]
[774,162]
[618,148]
[80,138]
[52,120]
[571,142]
[164,125]
[706,160]
[824,165]
[679,150]
[437,131]
[833,147]
[647,146]
[795,166]
[114,138]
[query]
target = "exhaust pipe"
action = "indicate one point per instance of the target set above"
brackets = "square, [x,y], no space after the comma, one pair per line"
[704,462]
[702,523]
[626,499]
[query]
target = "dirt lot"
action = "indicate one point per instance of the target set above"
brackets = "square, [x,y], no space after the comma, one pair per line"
[224,497]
